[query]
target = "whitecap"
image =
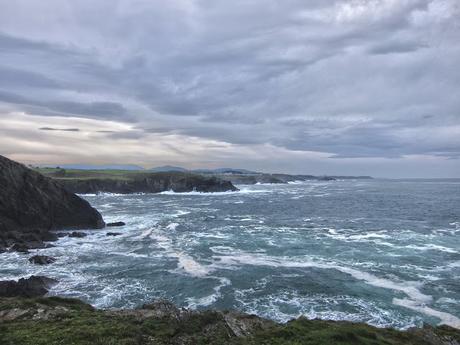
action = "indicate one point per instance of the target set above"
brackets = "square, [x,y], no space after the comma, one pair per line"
[172,226]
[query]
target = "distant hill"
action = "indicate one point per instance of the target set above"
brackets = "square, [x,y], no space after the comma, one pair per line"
[95,167]
[224,171]
[168,168]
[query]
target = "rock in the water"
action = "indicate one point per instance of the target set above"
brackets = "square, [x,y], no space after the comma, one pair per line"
[116,224]
[34,286]
[113,234]
[77,234]
[31,205]
[41,259]
[19,247]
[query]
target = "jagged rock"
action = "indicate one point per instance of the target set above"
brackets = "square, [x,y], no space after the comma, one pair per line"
[34,286]
[31,205]
[41,259]
[113,234]
[19,247]
[77,234]
[148,183]
[116,224]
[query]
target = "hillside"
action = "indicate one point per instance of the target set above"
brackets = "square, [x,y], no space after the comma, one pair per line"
[125,182]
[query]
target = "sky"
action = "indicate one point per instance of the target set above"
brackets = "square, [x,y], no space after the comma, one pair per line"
[346,87]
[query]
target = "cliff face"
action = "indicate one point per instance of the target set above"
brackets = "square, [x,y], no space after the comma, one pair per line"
[32,204]
[148,183]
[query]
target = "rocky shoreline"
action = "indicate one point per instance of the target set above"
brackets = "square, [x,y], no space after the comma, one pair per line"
[54,321]
[148,183]
[33,205]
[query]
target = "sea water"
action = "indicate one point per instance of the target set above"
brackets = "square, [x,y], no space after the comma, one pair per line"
[385,252]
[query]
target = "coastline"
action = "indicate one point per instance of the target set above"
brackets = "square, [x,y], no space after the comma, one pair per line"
[54,320]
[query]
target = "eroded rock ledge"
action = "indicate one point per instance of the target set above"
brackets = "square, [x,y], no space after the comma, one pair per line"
[40,321]
[147,183]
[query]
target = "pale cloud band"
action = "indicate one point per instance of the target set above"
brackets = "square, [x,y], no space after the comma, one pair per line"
[360,87]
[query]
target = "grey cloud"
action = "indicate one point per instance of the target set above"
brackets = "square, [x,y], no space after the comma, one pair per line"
[372,81]
[397,48]
[59,129]
[11,77]
[109,110]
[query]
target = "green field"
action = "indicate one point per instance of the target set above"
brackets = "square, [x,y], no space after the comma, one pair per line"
[86,174]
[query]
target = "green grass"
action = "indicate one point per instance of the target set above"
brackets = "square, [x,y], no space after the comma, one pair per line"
[78,174]
[88,174]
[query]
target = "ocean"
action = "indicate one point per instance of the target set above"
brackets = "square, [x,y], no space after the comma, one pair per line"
[384,252]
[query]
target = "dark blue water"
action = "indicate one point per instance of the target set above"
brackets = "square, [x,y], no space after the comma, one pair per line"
[383,252]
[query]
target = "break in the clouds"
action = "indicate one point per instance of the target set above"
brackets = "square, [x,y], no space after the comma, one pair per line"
[358,86]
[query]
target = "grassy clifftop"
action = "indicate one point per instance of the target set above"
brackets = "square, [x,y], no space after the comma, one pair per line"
[53,321]
[126,181]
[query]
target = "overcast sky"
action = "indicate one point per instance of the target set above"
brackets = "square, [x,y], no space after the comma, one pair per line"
[323,87]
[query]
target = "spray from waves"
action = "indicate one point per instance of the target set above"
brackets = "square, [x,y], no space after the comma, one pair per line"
[196,193]
[108,194]
[416,299]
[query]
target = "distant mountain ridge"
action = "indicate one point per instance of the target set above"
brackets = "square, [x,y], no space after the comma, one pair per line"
[168,168]
[94,166]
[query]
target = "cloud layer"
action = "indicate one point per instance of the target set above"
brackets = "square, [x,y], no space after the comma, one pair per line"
[326,85]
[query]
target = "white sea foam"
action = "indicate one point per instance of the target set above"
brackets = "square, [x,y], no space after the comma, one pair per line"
[192,267]
[170,192]
[447,300]
[431,246]
[287,304]
[417,300]
[446,318]
[195,193]
[172,226]
[205,301]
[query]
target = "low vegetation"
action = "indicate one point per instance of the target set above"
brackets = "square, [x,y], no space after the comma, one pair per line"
[56,321]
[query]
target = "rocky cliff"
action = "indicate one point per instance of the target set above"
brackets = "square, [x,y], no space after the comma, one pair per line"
[148,183]
[53,321]
[31,205]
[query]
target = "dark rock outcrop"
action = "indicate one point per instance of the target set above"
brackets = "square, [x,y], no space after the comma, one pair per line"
[77,234]
[148,183]
[116,224]
[113,234]
[41,260]
[34,286]
[31,205]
